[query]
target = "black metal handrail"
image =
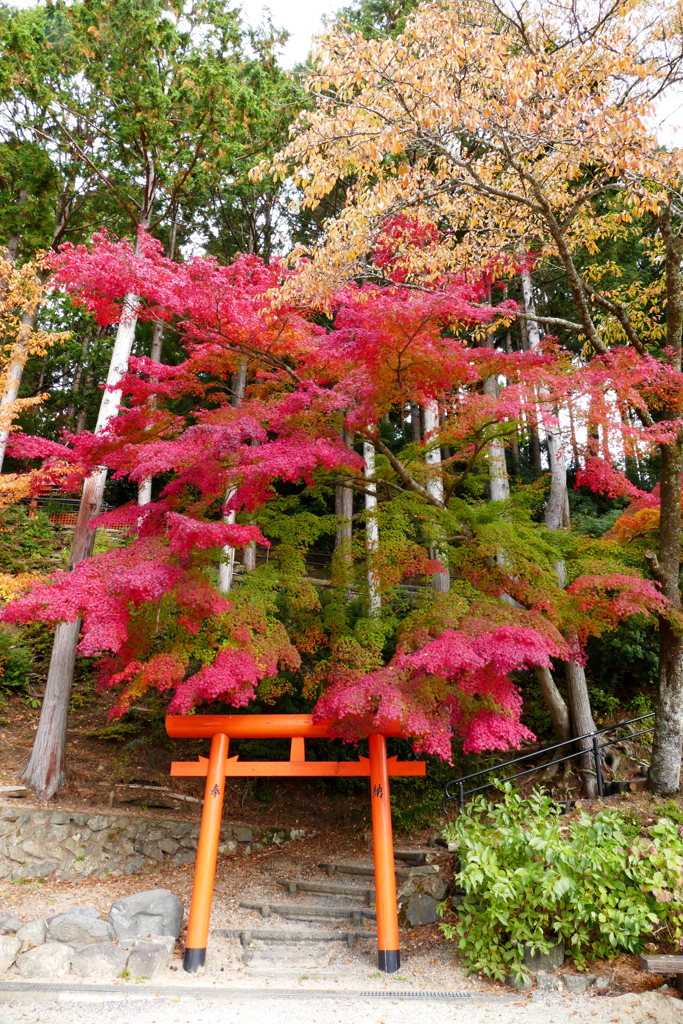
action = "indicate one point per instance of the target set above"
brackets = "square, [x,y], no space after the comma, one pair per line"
[595,749]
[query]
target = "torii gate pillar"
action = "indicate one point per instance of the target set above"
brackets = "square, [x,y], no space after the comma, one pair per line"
[297,728]
[388,951]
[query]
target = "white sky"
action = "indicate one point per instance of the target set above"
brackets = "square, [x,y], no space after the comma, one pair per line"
[301,18]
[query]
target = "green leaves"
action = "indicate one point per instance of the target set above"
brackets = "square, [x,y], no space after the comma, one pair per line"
[598,883]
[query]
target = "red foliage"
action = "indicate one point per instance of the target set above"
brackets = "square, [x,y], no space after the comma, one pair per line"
[455,683]
[602,478]
[384,348]
[103,590]
[608,599]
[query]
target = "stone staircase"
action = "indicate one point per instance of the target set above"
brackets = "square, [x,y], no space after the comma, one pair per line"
[322,916]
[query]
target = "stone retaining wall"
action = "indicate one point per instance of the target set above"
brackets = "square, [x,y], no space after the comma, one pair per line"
[36,843]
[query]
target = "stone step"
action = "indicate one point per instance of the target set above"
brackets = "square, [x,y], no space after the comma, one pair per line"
[414,857]
[283,974]
[364,892]
[294,958]
[293,937]
[310,912]
[367,870]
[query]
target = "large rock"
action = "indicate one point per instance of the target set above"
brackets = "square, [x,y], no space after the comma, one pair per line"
[32,934]
[9,924]
[9,947]
[154,912]
[434,885]
[84,911]
[150,956]
[79,927]
[102,961]
[420,894]
[546,962]
[549,982]
[578,982]
[419,909]
[49,961]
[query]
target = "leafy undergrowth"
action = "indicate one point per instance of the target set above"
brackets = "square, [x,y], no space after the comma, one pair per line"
[603,882]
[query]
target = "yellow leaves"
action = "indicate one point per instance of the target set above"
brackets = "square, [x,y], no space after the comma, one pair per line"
[490,118]
[10,585]
[634,524]
[8,415]
[21,293]
[15,486]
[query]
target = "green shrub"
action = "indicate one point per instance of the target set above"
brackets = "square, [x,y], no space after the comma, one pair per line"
[600,883]
[15,661]
[28,543]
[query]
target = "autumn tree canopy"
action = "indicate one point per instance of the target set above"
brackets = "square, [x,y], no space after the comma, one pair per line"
[152,608]
[485,306]
[522,133]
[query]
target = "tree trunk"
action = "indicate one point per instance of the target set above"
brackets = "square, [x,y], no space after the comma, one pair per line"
[572,434]
[557,518]
[78,379]
[249,557]
[534,440]
[145,486]
[499,483]
[371,529]
[343,510]
[557,505]
[514,456]
[14,375]
[441,581]
[514,440]
[665,767]
[45,769]
[226,568]
[629,448]
[82,420]
[555,703]
[14,240]
[416,421]
[582,722]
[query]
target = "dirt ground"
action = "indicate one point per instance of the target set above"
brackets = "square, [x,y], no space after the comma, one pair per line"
[119,771]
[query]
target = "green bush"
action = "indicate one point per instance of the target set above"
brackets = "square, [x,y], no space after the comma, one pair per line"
[28,543]
[601,883]
[15,661]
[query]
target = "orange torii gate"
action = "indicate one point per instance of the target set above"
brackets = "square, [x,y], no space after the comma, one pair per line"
[377,767]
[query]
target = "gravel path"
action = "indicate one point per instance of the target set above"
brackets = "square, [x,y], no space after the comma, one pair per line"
[341,1008]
